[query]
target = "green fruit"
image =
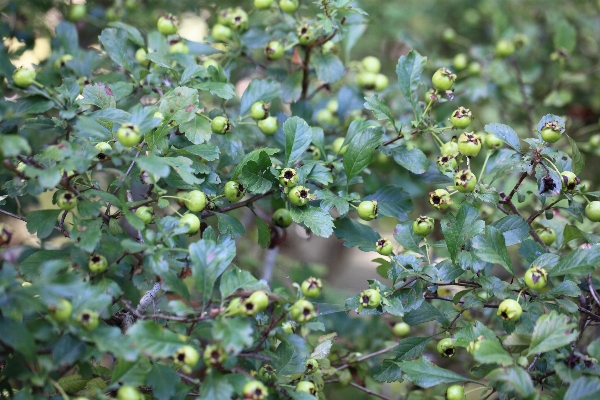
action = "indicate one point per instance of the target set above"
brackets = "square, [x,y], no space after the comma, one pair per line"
[384,247]
[214,355]
[326,117]
[103,148]
[255,303]
[288,177]
[337,147]
[370,298]
[381,82]
[221,33]
[311,366]
[129,135]
[455,392]
[131,5]
[509,310]
[536,278]
[449,34]
[592,211]
[371,64]
[469,144]
[267,373]
[288,327]
[302,311]
[88,319]
[299,196]
[551,132]
[274,50]
[66,201]
[220,125]
[113,14]
[504,48]
[306,34]
[368,210]
[460,61]
[423,226]
[475,344]
[167,24]
[263,4]
[179,47]
[97,264]
[570,181]
[141,57]
[465,181]
[62,62]
[288,6]
[311,287]
[366,80]
[445,347]
[61,311]
[282,217]
[234,191]
[259,110]
[145,213]
[449,149]
[192,221]
[440,199]
[443,79]
[223,16]
[129,393]
[255,390]
[401,329]
[238,20]
[594,141]
[24,77]
[268,126]
[186,355]
[461,118]
[76,12]
[306,387]
[314,150]
[493,142]
[474,68]
[548,235]
[195,200]
[447,163]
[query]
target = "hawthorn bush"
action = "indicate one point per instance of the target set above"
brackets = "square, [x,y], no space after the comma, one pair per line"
[168,162]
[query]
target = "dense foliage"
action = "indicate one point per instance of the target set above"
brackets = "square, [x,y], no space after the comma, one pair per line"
[155,170]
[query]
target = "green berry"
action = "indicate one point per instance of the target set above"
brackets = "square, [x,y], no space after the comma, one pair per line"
[509,310]
[66,201]
[145,213]
[129,135]
[504,48]
[548,235]
[274,50]
[368,210]
[440,199]
[447,163]
[263,4]
[288,6]
[268,126]
[469,144]
[570,181]
[257,302]
[551,132]
[238,20]
[88,319]
[461,118]
[282,217]
[220,125]
[214,355]
[455,392]
[445,347]
[381,82]
[76,12]
[311,287]
[460,61]
[221,33]
[192,222]
[443,79]
[179,47]
[195,200]
[186,355]
[24,77]
[234,191]
[61,311]
[423,226]
[302,311]
[493,142]
[299,196]
[306,387]
[129,393]
[384,247]
[370,298]
[311,366]
[306,34]
[401,329]
[97,264]
[449,149]
[167,24]
[371,64]
[465,181]
[536,278]
[255,390]
[592,211]
[259,110]
[288,177]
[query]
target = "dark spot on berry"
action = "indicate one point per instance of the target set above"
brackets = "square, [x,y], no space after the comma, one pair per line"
[306,311]
[249,306]
[180,357]
[85,317]
[436,200]
[304,194]
[381,242]
[96,259]
[449,352]
[288,174]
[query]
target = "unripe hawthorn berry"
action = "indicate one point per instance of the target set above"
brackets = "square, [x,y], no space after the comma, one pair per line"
[129,135]
[234,191]
[461,118]
[24,77]
[257,302]
[113,14]
[61,311]
[443,79]
[445,347]
[223,16]
[302,311]
[76,12]
[449,34]
[314,150]
[311,287]
[401,329]
[460,61]
[288,6]
[259,110]
[103,148]
[127,392]
[371,64]
[192,222]
[97,264]
[594,141]
[440,199]
[268,126]
[370,298]
[504,48]
[592,211]
[288,177]
[255,390]
[368,210]
[274,50]
[145,213]
[282,217]
[167,24]
[551,132]
[469,144]
[267,373]
[465,181]
[305,33]
[299,196]
[179,47]
[306,387]
[195,200]
[238,19]
[366,80]
[288,327]
[326,117]
[220,125]
[570,181]
[447,163]
[311,366]
[536,278]
[493,142]
[337,147]
[547,234]
[186,355]
[66,201]
[474,345]
[263,4]
[474,68]
[384,247]
[221,33]
[214,355]
[449,148]
[455,392]
[423,225]
[88,319]
[381,82]
[509,310]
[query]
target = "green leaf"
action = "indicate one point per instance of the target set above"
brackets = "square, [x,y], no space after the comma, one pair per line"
[42,222]
[513,227]
[565,288]
[409,70]
[328,67]
[506,134]
[220,89]
[162,380]
[390,372]
[583,388]
[259,89]
[216,387]
[471,332]
[355,234]
[183,167]
[16,336]
[565,36]
[72,383]
[424,373]
[578,160]
[578,262]
[230,225]
[257,177]
[552,331]
[491,247]
[154,339]
[132,33]
[404,234]
[316,219]
[360,152]
[115,43]
[298,136]
[330,200]
[130,372]
[88,234]
[291,87]
[179,105]
[256,156]
[66,33]
[234,279]
[234,334]
[99,95]
[14,145]
[197,130]
[380,109]
[414,160]
[515,379]
[458,230]
[411,348]
[492,352]
[392,201]
[206,151]
[264,233]
[208,261]
[425,313]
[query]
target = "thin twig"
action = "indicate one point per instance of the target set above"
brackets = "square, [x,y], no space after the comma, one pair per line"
[20,218]
[593,290]
[537,357]
[370,355]
[369,392]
